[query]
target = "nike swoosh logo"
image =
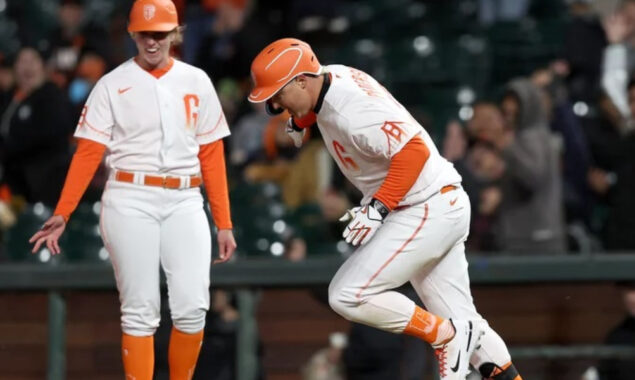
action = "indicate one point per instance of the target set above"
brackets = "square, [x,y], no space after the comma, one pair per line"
[456,366]
[452,202]
[469,338]
[122,90]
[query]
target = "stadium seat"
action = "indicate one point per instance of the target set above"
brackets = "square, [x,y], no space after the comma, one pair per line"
[255,210]
[83,243]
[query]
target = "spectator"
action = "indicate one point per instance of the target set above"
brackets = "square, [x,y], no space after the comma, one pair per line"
[622,335]
[522,158]
[457,151]
[199,18]
[576,157]
[303,175]
[248,136]
[613,178]
[326,364]
[91,67]
[619,58]
[75,35]
[35,132]
[531,214]
[488,167]
[227,45]
[6,80]
[584,42]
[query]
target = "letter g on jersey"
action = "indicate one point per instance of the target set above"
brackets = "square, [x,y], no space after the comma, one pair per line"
[365,222]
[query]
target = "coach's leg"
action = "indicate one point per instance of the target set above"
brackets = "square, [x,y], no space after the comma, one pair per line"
[185,256]
[136,265]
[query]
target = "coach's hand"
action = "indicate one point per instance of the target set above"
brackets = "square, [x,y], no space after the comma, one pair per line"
[50,233]
[296,133]
[365,222]
[226,245]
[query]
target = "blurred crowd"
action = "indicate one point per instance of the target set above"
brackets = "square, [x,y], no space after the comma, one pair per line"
[548,161]
[549,164]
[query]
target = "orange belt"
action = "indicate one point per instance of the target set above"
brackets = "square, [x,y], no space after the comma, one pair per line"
[447,188]
[443,190]
[165,182]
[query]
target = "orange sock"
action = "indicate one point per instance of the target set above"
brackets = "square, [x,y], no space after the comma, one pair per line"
[429,327]
[138,356]
[183,353]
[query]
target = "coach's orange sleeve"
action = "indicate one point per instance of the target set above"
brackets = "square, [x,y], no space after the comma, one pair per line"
[212,158]
[405,168]
[85,162]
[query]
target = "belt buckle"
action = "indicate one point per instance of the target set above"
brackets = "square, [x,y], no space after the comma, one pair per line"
[164,181]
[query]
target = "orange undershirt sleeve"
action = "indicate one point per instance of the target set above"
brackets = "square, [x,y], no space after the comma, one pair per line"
[85,162]
[212,158]
[405,168]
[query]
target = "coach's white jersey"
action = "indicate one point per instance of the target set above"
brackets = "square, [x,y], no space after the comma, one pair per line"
[153,125]
[363,127]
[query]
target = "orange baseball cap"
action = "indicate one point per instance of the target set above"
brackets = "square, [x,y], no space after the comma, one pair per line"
[153,16]
[277,64]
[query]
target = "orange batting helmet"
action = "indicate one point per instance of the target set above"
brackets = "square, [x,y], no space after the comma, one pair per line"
[277,64]
[153,16]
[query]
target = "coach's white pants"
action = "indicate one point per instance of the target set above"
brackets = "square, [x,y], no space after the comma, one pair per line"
[144,227]
[423,244]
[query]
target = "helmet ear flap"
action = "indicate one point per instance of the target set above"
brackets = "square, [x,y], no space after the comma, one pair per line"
[271,110]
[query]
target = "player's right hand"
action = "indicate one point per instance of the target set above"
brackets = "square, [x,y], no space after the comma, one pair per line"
[364,222]
[226,245]
[50,233]
[296,133]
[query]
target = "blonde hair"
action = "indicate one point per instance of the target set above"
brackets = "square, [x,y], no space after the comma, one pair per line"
[176,34]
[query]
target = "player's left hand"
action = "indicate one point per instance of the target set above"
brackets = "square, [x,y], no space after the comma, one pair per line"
[365,222]
[226,245]
[296,133]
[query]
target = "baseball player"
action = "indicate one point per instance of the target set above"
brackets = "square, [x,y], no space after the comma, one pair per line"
[413,219]
[162,125]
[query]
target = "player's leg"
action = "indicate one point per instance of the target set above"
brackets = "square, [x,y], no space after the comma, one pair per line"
[361,291]
[185,256]
[410,240]
[136,264]
[445,290]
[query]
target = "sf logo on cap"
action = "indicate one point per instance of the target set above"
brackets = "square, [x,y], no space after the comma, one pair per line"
[148,11]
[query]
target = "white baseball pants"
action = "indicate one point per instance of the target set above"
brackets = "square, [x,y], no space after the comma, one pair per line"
[144,227]
[423,244]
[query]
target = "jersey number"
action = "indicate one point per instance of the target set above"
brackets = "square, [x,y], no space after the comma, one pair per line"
[191,110]
[344,157]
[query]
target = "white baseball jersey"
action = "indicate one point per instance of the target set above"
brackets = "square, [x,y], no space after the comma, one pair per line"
[153,125]
[363,127]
